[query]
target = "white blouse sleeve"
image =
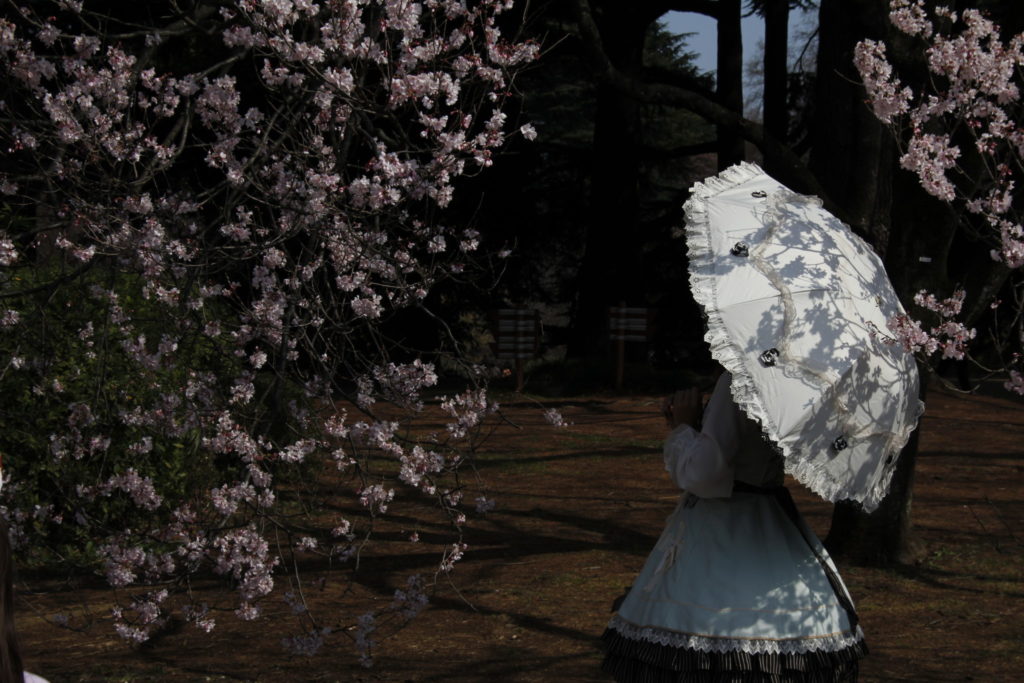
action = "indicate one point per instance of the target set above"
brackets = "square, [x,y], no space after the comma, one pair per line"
[703,462]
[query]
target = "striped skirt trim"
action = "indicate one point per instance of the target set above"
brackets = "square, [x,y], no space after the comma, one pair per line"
[639,661]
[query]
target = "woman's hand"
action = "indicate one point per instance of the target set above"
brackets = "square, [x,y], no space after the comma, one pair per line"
[682,407]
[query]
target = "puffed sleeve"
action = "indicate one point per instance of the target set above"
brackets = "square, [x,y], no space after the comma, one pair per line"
[702,462]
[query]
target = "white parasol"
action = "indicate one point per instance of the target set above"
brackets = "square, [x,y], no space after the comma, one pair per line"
[797,308]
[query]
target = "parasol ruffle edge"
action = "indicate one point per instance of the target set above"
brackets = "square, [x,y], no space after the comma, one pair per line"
[702,280]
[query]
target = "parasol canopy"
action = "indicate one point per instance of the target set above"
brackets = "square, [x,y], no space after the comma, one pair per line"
[796,307]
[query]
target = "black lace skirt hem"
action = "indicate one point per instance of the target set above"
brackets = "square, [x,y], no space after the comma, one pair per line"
[636,661]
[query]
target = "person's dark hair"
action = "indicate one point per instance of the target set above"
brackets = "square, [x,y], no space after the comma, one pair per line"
[10,654]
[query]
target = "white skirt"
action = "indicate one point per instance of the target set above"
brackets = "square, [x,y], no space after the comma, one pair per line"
[734,591]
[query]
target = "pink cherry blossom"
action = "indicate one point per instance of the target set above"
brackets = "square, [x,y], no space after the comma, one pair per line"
[227,237]
[975,92]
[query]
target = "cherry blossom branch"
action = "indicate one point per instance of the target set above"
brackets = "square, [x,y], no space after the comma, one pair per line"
[197,264]
[963,139]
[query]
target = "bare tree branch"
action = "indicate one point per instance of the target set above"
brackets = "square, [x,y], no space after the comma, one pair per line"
[661,154]
[659,74]
[708,8]
[791,167]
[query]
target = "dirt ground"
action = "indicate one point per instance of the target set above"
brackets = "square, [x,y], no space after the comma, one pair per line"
[578,510]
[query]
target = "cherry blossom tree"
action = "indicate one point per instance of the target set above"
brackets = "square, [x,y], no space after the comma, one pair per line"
[963,138]
[213,214]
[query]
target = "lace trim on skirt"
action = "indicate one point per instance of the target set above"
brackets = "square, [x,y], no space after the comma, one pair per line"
[649,658]
[789,646]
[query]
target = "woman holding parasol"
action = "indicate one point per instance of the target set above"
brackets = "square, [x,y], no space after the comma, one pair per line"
[737,587]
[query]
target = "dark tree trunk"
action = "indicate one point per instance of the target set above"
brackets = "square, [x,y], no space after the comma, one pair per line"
[776,72]
[729,77]
[608,272]
[923,230]
[793,170]
[853,154]
[885,536]
[922,237]
[920,247]
[854,158]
